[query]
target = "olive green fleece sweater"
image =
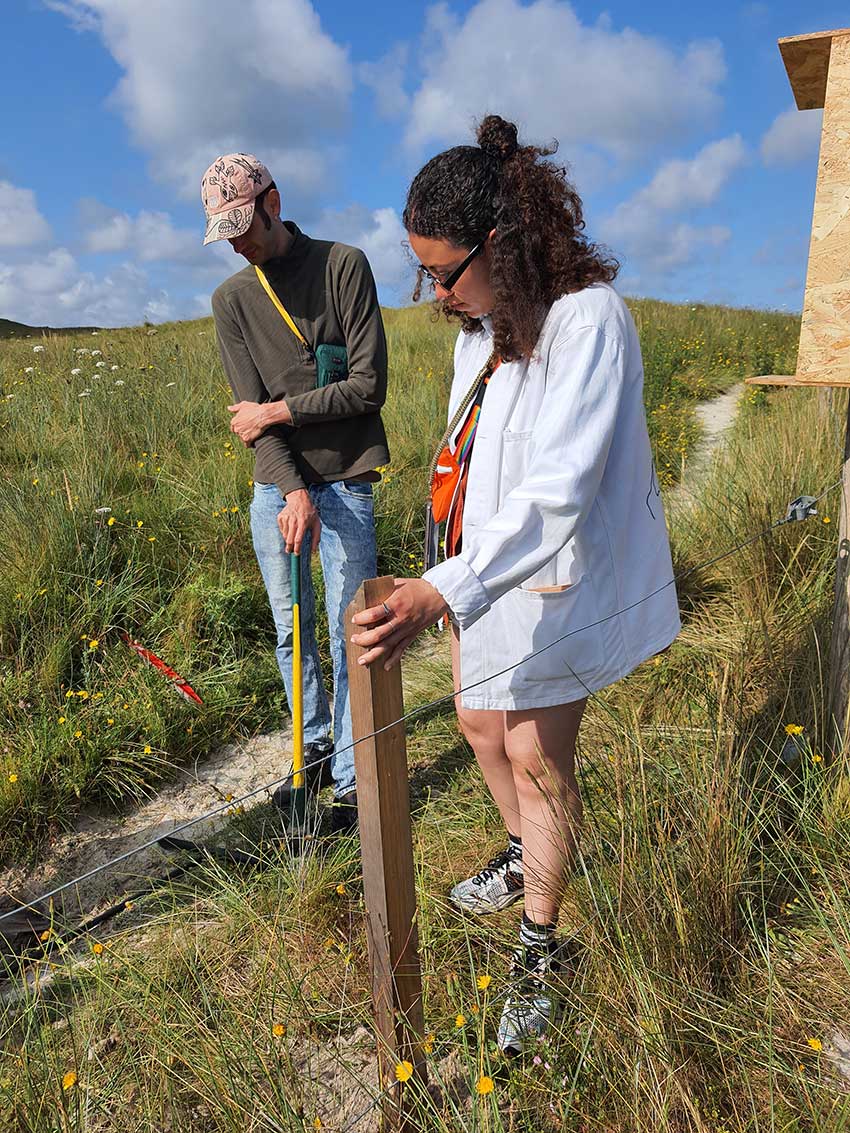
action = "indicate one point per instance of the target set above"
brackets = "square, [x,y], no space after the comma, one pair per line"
[329,292]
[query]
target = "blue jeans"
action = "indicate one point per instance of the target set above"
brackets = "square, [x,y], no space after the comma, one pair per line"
[347,555]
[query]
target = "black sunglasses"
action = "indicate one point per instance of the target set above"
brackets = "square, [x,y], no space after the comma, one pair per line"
[451,279]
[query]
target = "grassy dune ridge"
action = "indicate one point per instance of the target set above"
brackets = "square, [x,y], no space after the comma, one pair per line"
[711,904]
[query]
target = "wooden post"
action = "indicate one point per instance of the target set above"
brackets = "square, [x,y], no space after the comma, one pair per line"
[383,805]
[838,704]
[818,67]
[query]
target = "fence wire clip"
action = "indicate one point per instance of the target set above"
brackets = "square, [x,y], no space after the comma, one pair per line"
[801,508]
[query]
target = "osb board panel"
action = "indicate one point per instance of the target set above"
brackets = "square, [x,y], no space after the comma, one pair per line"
[806,59]
[825,333]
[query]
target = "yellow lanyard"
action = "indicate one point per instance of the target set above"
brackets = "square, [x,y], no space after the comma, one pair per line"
[282,311]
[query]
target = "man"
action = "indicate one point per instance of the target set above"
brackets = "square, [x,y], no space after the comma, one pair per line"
[317,446]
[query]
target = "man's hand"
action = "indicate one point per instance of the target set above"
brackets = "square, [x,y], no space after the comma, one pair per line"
[250,418]
[414,605]
[297,517]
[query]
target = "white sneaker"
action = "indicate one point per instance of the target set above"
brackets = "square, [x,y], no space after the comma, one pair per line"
[530,1003]
[499,884]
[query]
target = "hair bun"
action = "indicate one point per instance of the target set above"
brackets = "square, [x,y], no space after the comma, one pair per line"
[497,137]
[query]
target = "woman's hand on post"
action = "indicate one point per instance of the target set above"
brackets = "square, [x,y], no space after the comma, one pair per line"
[296,518]
[414,606]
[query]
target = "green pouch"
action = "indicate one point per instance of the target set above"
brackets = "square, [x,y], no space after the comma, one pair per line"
[331,364]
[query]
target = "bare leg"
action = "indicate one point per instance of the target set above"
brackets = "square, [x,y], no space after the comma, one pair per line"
[540,744]
[485,731]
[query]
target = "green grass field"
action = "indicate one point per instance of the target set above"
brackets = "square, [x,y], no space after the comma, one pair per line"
[712,901]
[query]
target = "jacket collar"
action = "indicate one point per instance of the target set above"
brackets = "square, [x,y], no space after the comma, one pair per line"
[297,251]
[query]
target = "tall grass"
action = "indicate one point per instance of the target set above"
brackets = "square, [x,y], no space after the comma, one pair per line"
[711,903]
[710,906]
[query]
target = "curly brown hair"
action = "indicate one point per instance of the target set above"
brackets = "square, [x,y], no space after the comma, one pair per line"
[539,251]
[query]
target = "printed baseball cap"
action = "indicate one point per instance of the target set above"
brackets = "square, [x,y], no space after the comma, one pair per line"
[228,190]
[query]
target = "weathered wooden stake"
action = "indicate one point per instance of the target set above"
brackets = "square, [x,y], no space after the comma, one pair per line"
[383,803]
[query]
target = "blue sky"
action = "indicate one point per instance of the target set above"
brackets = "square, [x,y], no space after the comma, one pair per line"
[677,121]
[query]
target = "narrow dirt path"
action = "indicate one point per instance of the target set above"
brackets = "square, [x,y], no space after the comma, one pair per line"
[96,837]
[716,417]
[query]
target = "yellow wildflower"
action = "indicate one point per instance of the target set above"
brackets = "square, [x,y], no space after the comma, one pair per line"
[826,519]
[98,582]
[97,948]
[13,778]
[484,1085]
[77,734]
[817,757]
[484,982]
[45,935]
[148,749]
[278,1030]
[404,1071]
[93,644]
[151,538]
[794,729]
[815,1044]
[428,1044]
[460,1021]
[341,889]
[69,1080]
[140,523]
[128,905]
[111,521]
[317,1122]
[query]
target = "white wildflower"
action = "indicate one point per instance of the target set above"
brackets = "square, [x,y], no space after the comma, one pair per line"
[96,352]
[76,371]
[38,349]
[114,368]
[100,363]
[119,383]
[28,369]
[167,384]
[85,393]
[102,510]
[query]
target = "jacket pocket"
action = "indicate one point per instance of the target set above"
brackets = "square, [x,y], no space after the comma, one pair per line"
[554,634]
[514,463]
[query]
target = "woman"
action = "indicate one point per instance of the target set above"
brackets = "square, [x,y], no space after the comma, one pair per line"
[557,550]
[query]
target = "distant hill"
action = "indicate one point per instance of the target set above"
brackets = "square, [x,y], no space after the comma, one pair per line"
[9,329]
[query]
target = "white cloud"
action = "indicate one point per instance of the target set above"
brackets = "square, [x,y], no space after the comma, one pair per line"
[379,232]
[150,236]
[386,79]
[54,291]
[680,184]
[644,228]
[21,224]
[589,85]
[264,78]
[794,135]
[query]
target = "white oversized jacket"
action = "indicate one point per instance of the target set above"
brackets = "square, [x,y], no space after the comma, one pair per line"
[563,529]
